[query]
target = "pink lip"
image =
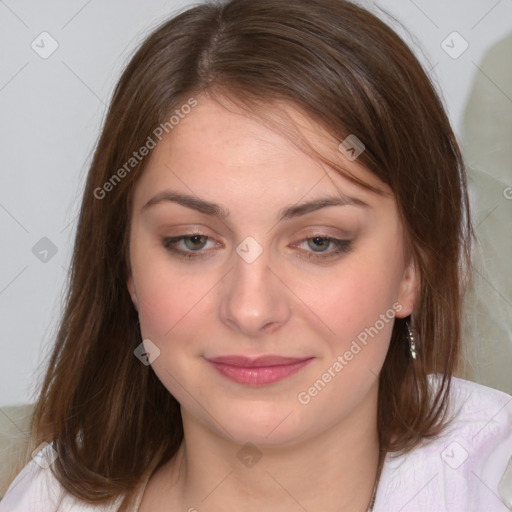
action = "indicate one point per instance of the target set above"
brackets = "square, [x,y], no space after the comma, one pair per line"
[258,371]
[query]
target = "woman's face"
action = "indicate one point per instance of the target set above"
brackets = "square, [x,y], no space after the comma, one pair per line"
[232,260]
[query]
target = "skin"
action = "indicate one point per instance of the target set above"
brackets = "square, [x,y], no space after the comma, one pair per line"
[282,303]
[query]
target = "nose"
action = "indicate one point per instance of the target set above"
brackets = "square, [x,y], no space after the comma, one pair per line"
[254,300]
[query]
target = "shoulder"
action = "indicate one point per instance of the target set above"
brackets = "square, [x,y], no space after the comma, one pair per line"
[36,489]
[462,469]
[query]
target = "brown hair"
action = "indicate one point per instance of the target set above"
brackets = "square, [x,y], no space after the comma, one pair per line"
[108,416]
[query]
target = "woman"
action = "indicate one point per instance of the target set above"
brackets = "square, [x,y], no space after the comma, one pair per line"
[265,297]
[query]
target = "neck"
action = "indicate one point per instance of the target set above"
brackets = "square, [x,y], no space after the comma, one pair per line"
[334,470]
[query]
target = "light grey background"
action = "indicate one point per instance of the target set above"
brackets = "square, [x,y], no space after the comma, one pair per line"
[51,112]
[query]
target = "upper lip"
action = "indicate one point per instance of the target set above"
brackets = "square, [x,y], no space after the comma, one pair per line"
[259,361]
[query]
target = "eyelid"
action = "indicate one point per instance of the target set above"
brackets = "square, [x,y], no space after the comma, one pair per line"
[325,231]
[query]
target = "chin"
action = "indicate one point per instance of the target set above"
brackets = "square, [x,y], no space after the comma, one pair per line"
[270,425]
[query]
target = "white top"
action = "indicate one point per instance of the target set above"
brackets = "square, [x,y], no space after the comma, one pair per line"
[460,471]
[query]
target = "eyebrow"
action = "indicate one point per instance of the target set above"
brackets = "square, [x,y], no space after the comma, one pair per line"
[289,212]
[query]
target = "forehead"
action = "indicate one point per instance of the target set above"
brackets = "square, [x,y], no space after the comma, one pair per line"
[220,150]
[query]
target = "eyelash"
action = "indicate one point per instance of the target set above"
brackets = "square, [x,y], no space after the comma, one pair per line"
[341,247]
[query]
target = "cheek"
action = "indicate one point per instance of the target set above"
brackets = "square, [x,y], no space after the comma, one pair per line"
[356,304]
[166,303]
[167,297]
[352,298]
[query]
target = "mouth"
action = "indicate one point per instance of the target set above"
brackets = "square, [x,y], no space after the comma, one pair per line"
[258,371]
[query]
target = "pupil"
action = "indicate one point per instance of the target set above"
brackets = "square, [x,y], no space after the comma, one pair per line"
[320,242]
[196,240]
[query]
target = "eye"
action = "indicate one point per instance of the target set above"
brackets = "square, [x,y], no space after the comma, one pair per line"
[195,245]
[192,245]
[320,244]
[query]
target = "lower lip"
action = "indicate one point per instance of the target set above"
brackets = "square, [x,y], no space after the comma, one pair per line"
[260,375]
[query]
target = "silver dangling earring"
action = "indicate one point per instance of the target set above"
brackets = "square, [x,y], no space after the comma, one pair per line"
[412,343]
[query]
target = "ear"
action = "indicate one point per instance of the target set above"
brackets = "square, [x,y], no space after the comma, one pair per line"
[132,291]
[408,290]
